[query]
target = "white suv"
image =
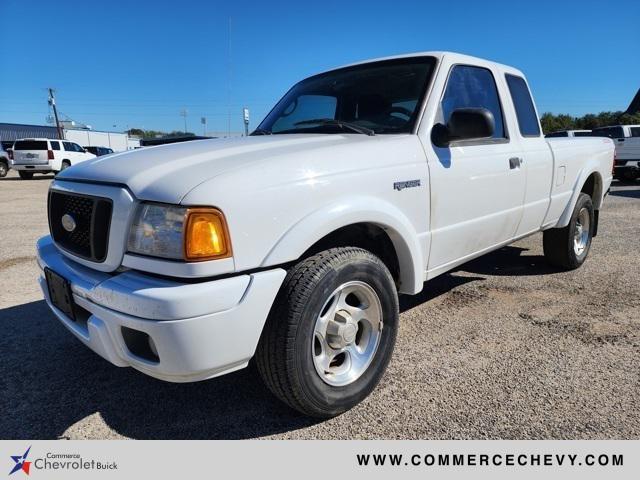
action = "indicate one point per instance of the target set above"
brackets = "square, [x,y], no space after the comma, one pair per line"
[42,155]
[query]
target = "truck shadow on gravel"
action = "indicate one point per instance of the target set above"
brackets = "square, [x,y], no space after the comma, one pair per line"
[509,261]
[49,382]
[626,193]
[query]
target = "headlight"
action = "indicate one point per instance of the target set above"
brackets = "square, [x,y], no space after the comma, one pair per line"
[179,233]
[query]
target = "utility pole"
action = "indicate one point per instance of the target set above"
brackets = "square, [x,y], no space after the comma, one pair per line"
[52,102]
[183,113]
[203,121]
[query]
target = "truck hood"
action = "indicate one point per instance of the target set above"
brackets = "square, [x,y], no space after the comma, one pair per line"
[167,173]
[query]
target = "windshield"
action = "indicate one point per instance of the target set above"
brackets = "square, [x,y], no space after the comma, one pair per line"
[381,96]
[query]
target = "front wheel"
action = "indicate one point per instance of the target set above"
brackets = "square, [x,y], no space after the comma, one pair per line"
[331,332]
[568,247]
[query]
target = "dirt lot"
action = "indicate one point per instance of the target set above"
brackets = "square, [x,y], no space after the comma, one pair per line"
[504,347]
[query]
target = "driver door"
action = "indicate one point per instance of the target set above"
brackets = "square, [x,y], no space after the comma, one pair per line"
[477,186]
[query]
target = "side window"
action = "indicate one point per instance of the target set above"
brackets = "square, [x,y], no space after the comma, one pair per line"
[525,111]
[68,146]
[78,148]
[55,145]
[635,131]
[474,87]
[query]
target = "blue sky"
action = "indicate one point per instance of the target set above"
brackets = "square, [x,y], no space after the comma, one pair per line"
[119,64]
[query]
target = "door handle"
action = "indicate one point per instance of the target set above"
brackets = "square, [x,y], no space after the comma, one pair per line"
[515,162]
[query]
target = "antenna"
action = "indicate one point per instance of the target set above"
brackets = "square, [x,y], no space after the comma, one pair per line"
[229,79]
[183,113]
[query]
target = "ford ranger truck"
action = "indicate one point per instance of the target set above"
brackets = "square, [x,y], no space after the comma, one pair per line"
[291,246]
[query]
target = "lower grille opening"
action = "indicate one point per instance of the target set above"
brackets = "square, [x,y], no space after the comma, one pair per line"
[140,344]
[82,315]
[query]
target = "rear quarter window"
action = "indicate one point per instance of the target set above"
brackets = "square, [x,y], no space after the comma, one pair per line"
[635,131]
[525,111]
[54,145]
[30,145]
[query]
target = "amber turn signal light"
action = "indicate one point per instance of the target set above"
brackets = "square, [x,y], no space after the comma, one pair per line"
[206,235]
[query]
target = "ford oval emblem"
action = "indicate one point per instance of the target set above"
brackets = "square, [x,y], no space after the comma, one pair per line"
[68,223]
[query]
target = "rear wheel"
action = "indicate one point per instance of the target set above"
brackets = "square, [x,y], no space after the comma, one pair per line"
[25,175]
[65,164]
[568,247]
[4,168]
[331,332]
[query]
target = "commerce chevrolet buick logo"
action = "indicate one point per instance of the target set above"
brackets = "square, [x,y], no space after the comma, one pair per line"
[21,462]
[68,223]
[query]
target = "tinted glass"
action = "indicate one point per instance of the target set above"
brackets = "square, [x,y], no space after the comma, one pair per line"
[382,96]
[582,134]
[635,131]
[68,146]
[307,107]
[78,148]
[54,145]
[525,111]
[611,132]
[30,145]
[473,87]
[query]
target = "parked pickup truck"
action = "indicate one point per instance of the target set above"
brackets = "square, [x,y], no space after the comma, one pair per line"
[291,246]
[627,143]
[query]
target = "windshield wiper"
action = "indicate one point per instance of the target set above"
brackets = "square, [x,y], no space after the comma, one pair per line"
[338,123]
[261,131]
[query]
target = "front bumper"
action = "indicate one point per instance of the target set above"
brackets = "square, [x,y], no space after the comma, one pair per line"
[199,330]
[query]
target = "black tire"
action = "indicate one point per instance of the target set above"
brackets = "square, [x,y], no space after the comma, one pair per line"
[558,243]
[25,175]
[285,353]
[4,168]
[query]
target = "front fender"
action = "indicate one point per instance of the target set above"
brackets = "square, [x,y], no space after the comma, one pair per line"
[320,223]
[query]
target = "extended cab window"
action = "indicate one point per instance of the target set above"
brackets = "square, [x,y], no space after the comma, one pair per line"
[473,87]
[635,131]
[525,111]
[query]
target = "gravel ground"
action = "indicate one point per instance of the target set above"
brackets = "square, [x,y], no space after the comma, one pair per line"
[504,347]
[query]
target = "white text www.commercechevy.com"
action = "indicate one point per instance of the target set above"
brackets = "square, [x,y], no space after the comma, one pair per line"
[489,460]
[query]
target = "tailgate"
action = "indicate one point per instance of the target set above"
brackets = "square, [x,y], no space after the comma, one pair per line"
[30,152]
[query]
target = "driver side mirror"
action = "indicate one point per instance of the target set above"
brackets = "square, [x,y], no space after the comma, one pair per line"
[464,124]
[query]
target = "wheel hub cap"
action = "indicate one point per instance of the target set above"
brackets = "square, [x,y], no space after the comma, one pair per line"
[347,333]
[582,231]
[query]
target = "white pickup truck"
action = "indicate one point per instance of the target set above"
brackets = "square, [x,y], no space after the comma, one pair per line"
[291,246]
